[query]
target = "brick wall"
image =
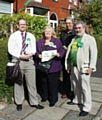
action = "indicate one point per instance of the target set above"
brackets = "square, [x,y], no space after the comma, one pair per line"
[60,8]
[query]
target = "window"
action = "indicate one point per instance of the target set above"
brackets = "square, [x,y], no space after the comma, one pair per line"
[38,1]
[55,0]
[70,0]
[5,7]
[75,2]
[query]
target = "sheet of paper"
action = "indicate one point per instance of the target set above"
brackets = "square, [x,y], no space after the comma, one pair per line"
[10,64]
[48,55]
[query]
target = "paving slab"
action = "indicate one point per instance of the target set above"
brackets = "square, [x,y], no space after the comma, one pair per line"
[99,114]
[97,96]
[34,117]
[74,115]
[96,118]
[59,103]
[60,100]
[7,117]
[95,108]
[11,110]
[70,107]
[48,113]
[96,80]
[96,87]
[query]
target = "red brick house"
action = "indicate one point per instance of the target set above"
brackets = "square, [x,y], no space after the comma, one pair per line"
[53,10]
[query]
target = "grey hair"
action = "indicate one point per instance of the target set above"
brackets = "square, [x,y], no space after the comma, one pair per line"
[81,22]
[69,18]
[52,30]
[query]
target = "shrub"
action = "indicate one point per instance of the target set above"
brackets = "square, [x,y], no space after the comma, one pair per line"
[35,25]
[6,92]
[99,45]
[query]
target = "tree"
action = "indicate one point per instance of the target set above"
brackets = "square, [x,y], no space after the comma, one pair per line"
[91,13]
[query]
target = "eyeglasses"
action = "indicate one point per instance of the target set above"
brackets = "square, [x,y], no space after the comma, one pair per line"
[68,23]
[48,31]
[22,24]
[78,27]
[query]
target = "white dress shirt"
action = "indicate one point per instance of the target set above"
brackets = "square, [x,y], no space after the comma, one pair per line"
[15,44]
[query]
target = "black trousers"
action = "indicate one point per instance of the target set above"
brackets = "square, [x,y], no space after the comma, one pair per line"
[66,79]
[49,86]
[66,82]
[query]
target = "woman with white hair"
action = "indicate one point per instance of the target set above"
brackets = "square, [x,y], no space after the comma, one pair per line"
[49,82]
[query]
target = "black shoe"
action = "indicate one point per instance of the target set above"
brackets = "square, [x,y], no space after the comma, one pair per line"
[71,103]
[19,107]
[51,105]
[37,106]
[43,100]
[83,113]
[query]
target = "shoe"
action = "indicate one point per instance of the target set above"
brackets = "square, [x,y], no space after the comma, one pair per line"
[71,103]
[37,106]
[64,96]
[51,105]
[83,113]
[19,107]
[43,100]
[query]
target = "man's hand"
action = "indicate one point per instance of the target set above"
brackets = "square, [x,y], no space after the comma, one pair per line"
[26,56]
[68,71]
[89,70]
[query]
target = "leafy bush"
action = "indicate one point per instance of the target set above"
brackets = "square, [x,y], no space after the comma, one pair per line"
[8,24]
[99,45]
[6,92]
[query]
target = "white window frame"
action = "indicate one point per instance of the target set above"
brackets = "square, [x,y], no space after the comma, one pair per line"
[70,1]
[75,2]
[9,5]
[38,1]
[55,0]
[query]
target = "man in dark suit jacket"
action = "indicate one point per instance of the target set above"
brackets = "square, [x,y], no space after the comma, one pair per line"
[66,37]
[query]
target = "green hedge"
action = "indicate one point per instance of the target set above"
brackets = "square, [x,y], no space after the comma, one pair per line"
[35,25]
[6,92]
[99,45]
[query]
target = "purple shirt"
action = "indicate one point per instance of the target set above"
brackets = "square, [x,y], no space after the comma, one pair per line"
[56,64]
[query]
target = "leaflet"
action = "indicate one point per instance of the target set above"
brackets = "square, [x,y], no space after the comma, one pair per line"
[48,55]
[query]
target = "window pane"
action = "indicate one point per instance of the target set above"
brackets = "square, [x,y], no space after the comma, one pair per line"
[5,7]
[38,0]
[70,0]
[75,2]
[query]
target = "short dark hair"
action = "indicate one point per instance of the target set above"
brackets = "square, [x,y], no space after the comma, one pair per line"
[20,19]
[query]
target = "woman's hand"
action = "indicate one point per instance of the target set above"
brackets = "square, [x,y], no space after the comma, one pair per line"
[57,54]
[40,56]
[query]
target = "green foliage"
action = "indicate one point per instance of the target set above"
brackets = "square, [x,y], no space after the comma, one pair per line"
[91,13]
[99,45]
[5,91]
[35,24]
[60,28]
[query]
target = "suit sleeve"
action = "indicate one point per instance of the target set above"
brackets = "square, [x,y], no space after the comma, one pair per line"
[93,54]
